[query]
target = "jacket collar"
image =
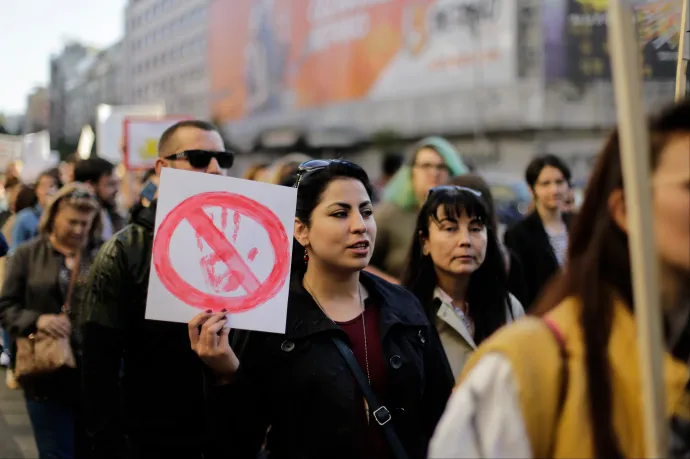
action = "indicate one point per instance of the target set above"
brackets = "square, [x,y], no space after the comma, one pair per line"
[447,314]
[145,216]
[396,306]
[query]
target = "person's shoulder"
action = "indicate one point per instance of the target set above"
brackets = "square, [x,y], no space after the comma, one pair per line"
[398,297]
[24,215]
[516,308]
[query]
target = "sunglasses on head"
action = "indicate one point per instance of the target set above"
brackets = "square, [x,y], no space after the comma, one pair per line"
[452,188]
[315,165]
[200,159]
[80,194]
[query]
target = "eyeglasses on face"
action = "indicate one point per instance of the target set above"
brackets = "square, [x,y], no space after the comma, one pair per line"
[431,166]
[451,188]
[200,159]
[313,165]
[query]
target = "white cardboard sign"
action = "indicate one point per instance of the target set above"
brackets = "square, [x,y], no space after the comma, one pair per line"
[10,149]
[221,243]
[141,140]
[109,126]
[86,140]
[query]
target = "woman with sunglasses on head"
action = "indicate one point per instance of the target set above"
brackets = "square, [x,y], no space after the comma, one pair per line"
[301,383]
[41,295]
[457,271]
[569,384]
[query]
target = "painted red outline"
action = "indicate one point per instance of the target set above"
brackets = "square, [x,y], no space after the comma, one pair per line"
[191,209]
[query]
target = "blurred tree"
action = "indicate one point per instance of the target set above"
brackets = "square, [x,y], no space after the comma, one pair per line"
[66,147]
[385,139]
[2,125]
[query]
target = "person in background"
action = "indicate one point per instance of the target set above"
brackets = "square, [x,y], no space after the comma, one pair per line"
[516,274]
[569,383]
[256,172]
[391,163]
[12,171]
[433,162]
[67,168]
[283,171]
[99,174]
[143,386]
[457,272]
[25,199]
[12,187]
[298,383]
[541,239]
[26,223]
[34,292]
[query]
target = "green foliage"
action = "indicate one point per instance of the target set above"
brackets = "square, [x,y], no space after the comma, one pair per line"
[385,139]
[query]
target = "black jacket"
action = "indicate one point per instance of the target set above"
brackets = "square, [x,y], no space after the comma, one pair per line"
[300,385]
[30,289]
[528,240]
[143,385]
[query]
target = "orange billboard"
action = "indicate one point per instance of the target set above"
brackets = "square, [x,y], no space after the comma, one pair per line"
[280,55]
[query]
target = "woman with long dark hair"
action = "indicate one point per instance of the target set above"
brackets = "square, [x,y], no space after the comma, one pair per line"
[301,383]
[568,384]
[457,271]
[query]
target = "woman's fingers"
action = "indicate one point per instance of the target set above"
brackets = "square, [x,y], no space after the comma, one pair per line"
[194,327]
[211,338]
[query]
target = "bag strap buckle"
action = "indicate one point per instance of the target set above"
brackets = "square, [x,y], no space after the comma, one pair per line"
[382,416]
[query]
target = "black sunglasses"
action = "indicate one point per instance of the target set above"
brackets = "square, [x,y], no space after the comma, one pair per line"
[454,188]
[315,165]
[200,159]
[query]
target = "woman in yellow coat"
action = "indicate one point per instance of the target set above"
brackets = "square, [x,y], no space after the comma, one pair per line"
[568,384]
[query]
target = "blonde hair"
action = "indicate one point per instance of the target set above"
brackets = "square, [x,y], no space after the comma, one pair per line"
[78,196]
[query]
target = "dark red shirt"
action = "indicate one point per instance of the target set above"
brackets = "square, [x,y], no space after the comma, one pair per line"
[371,442]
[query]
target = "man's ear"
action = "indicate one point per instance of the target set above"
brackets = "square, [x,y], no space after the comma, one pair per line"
[301,232]
[160,162]
[617,209]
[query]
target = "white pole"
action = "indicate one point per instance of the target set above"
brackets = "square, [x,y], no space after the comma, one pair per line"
[634,141]
[682,68]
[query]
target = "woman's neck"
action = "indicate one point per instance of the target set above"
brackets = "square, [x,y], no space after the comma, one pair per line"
[455,286]
[64,249]
[550,217]
[329,286]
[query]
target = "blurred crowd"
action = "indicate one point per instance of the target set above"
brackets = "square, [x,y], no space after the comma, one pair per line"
[421,273]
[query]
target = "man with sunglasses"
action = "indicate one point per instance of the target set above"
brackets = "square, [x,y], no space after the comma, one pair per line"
[143,386]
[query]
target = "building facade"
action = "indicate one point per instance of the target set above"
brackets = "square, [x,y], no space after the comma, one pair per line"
[165,55]
[97,80]
[37,116]
[64,68]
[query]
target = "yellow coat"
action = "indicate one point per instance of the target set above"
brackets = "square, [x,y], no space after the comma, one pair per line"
[535,360]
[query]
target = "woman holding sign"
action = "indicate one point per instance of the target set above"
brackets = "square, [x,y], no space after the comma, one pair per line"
[569,384]
[359,373]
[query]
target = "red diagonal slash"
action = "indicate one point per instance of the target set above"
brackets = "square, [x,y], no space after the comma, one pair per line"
[224,250]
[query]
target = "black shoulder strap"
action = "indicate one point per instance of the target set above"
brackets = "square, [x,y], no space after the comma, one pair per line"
[380,412]
[565,374]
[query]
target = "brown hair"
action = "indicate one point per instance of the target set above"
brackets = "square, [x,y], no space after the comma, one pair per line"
[78,196]
[599,271]
[253,171]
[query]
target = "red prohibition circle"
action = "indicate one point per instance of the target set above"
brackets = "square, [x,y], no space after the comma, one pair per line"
[192,208]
